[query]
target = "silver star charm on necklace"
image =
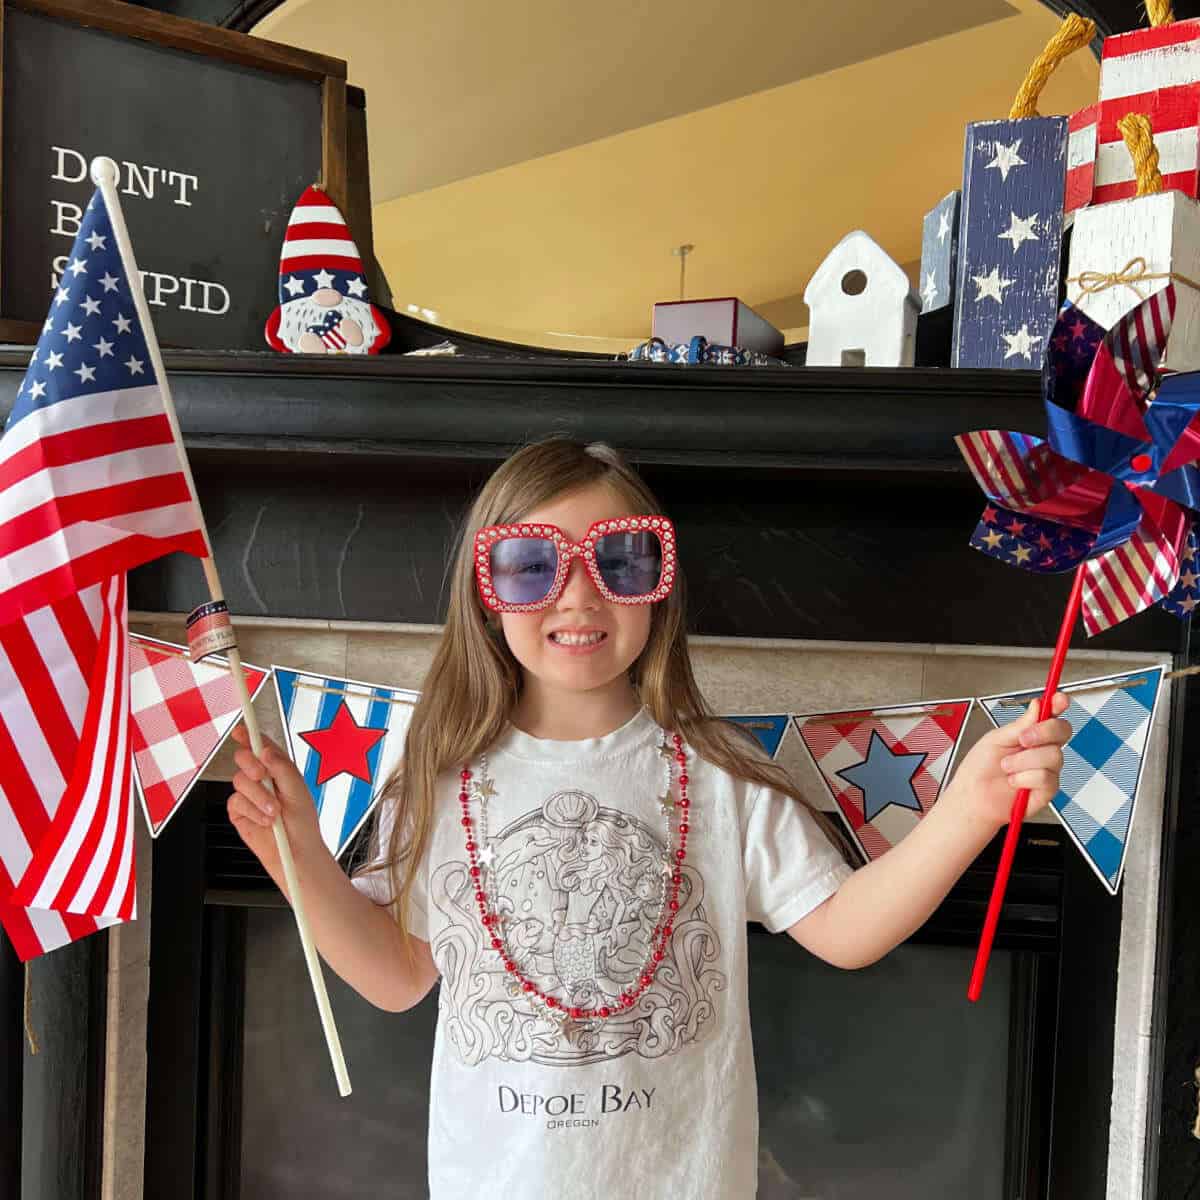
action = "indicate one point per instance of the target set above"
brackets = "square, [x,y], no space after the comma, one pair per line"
[666,749]
[484,789]
[667,804]
[667,867]
[487,856]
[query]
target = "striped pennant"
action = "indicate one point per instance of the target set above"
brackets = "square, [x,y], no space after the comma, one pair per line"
[346,737]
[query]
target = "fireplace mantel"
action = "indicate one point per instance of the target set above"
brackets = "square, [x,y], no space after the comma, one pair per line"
[879,421]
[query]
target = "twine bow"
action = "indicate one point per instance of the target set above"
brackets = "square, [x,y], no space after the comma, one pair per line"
[1135,271]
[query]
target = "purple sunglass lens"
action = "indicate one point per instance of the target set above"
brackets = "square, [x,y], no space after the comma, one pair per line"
[630,563]
[523,569]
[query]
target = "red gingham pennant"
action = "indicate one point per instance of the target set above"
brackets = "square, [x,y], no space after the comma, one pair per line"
[181,712]
[842,741]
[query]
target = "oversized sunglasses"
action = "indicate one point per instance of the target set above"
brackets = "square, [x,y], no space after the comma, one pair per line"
[524,567]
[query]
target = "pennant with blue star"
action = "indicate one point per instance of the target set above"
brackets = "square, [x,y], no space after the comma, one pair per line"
[884,768]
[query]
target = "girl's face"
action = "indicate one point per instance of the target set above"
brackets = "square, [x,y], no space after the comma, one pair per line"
[623,629]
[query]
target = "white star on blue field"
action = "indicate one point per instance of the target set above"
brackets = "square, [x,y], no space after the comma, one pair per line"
[885,777]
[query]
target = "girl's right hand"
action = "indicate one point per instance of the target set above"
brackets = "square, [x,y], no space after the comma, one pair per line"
[252,808]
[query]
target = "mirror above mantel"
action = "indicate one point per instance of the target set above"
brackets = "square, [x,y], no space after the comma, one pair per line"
[534,175]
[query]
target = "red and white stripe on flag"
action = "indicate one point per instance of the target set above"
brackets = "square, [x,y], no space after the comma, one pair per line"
[182,711]
[66,801]
[89,486]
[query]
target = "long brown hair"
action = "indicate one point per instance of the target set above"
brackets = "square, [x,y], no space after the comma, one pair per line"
[474,682]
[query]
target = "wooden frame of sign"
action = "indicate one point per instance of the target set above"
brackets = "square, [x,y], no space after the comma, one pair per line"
[209,41]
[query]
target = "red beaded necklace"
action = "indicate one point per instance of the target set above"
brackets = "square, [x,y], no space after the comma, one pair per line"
[493,928]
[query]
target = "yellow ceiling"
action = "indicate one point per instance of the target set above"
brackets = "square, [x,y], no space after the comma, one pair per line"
[533,167]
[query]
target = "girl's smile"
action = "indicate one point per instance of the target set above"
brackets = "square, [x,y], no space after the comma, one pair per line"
[580,639]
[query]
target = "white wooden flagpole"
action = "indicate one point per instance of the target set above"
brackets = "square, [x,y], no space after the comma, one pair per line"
[105,175]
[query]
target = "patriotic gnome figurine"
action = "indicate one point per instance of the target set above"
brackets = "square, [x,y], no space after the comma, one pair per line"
[323,302]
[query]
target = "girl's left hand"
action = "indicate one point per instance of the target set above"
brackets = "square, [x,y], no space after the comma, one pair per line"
[1025,754]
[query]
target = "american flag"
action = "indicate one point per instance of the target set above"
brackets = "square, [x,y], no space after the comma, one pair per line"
[91,485]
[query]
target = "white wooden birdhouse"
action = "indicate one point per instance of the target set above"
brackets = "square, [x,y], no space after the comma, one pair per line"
[1125,251]
[862,308]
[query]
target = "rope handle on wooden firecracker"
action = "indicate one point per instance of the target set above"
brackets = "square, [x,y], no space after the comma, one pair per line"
[1073,34]
[1139,141]
[1160,12]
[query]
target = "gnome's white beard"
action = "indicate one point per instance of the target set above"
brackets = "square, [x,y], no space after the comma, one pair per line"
[297,315]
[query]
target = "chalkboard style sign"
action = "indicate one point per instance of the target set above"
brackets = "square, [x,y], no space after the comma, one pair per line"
[216,134]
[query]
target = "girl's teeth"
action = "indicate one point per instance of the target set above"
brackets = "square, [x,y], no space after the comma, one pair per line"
[574,640]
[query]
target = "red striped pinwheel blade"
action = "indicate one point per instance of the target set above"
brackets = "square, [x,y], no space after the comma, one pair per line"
[1139,572]
[1023,473]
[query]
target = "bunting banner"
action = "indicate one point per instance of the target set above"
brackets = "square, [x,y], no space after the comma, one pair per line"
[181,712]
[345,737]
[1110,718]
[767,729]
[884,768]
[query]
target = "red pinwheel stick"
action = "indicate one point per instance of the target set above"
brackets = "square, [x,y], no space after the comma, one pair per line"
[1021,800]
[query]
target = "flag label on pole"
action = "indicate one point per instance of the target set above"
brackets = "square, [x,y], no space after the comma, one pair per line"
[209,630]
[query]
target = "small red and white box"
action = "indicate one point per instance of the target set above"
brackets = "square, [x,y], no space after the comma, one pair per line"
[1151,71]
[723,322]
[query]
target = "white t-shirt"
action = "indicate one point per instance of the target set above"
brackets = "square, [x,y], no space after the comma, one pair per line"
[658,1100]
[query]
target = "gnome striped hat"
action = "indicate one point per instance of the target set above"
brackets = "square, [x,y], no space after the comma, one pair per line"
[318,259]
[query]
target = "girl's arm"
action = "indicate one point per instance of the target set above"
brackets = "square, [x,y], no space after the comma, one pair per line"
[356,937]
[886,901]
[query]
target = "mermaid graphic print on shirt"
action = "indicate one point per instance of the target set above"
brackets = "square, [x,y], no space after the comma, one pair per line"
[578,886]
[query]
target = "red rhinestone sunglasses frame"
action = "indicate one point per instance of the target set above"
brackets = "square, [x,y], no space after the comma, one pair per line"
[568,550]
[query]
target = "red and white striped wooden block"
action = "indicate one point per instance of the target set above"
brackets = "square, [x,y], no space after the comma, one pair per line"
[1081,157]
[1151,71]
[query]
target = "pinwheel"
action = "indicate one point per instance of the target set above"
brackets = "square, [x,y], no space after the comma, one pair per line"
[1113,491]
[1114,485]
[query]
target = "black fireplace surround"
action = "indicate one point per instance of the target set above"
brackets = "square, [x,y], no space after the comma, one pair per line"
[816,504]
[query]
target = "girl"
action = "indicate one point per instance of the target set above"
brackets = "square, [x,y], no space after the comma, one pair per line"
[573,848]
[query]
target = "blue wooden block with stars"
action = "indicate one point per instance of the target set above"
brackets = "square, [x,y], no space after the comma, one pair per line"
[939,254]
[1014,176]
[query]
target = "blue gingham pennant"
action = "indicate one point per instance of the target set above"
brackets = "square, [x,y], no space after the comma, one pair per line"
[1110,718]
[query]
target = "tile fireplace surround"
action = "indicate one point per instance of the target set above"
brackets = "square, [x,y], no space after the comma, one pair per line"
[738,675]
